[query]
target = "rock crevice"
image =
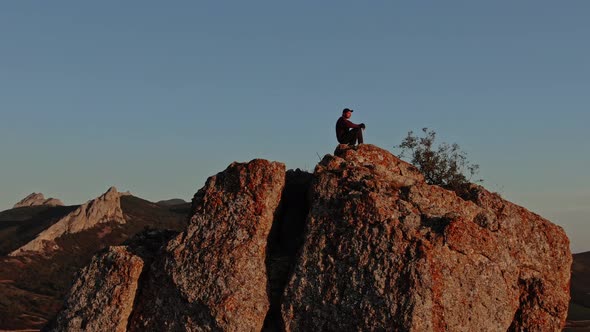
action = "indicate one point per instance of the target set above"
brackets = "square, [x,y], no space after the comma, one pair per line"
[285,240]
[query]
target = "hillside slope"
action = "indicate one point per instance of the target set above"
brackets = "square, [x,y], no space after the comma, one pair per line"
[33,283]
[580,287]
[21,225]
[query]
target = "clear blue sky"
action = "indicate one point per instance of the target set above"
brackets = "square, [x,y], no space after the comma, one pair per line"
[154,97]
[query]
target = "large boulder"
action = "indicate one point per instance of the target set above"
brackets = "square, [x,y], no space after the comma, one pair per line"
[385,251]
[213,275]
[102,299]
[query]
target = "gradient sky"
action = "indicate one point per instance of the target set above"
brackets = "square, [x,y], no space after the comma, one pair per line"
[154,97]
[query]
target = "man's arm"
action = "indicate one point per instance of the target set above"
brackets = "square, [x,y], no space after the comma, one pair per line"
[349,124]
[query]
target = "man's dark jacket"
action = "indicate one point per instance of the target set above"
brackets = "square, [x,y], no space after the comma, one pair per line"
[342,127]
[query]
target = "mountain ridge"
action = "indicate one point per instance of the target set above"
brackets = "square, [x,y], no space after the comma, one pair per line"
[35,282]
[36,199]
[106,207]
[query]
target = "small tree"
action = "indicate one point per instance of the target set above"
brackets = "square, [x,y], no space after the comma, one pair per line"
[445,165]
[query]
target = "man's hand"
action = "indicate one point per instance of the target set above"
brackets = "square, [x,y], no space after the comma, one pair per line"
[362,125]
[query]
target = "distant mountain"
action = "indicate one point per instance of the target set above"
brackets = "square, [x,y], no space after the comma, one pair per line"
[579,309]
[36,199]
[42,247]
[170,202]
[104,209]
[580,285]
[21,225]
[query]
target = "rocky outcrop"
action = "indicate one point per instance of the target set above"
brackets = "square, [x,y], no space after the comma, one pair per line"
[380,249]
[213,275]
[36,199]
[106,208]
[385,251]
[103,299]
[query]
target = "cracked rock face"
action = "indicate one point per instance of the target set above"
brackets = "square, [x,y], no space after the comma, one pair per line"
[385,251]
[213,276]
[380,250]
[102,299]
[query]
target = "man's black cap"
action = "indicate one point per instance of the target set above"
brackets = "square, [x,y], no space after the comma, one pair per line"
[346,110]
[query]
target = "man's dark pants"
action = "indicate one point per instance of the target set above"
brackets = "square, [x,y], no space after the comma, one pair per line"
[352,136]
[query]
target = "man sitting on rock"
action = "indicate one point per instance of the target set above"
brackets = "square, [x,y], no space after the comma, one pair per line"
[348,132]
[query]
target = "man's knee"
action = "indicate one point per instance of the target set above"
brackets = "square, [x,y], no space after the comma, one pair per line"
[359,135]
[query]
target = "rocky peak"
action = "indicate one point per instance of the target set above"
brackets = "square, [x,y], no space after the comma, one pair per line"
[418,257]
[36,199]
[362,244]
[105,208]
